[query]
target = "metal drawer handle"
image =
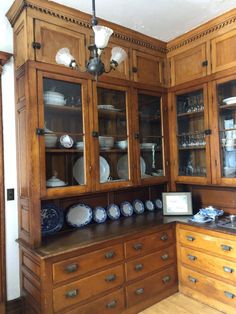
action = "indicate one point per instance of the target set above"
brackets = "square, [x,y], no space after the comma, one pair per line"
[229,294]
[139,291]
[71,268]
[138,267]
[192,257]
[138,246]
[110,278]
[228,269]
[166,279]
[111,305]
[164,237]
[190,238]
[72,293]
[192,279]
[226,247]
[110,254]
[164,257]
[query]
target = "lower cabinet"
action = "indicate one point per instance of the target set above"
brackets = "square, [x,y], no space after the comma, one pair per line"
[207,266]
[119,277]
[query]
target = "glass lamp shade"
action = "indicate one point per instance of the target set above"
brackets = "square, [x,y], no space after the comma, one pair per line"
[118,55]
[64,57]
[102,36]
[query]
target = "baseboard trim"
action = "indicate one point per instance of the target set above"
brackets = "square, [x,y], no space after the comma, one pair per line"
[14,306]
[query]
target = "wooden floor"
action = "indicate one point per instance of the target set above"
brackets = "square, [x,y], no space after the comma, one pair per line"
[180,304]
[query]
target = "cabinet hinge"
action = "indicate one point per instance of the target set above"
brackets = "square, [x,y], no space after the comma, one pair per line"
[215,162]
[85,41]
[205,63]
[40,131]
[36,45]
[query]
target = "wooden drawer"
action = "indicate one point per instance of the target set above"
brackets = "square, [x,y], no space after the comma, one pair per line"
[207,242]
[150,286]
[150,263]
[212,264]
[149,242]
[88,262]
[208,286]
[113,303]
[88,287]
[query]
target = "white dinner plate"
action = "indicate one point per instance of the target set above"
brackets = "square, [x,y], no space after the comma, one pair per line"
[122,167]
[230,101]
[79,215]
[78,170]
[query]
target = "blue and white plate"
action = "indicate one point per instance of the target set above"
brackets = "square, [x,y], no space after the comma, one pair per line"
[158,203]
[113,211]
[126,209]
[150,205]
[201,221]
[51,219]
[79,215]
[138,206]
[99,214]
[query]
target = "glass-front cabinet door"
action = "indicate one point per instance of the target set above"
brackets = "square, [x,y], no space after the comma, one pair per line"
[113,136]
[151,136]
[64,125]
[226,101]
[192,136]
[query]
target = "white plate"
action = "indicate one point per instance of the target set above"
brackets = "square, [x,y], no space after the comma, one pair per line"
[158,203]
[99,214]
[78,170]
[230,101]
[122,167]
[126,209]
[138,206]
[113,211]
[149,205]
[79,215]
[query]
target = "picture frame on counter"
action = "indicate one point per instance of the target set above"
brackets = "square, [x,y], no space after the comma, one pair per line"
[177,204]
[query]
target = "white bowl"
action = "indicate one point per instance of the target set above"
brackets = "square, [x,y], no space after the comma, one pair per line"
[50,140]
[54,98]
[122,144]
[79,145]
[106,141]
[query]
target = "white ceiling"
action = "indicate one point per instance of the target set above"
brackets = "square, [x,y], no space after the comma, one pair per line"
[162,19]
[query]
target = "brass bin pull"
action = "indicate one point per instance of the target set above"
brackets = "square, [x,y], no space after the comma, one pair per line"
[166,279]
[165,257]
[110,278]
[138,246]
[229,295]
[164,237]
[228,269]
[72,293]
[190,238]
[192,257]
[110,254]
[111,305]
[71,268]
[226,248]
[139,291]
[138,267]
[192,279]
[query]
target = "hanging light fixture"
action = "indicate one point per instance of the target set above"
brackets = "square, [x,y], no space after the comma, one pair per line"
[94,66]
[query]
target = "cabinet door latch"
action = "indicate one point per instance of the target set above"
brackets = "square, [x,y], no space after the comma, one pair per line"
[134,69]
[36,45]
[205,63]
[95,134]
[40,131]
[207,132]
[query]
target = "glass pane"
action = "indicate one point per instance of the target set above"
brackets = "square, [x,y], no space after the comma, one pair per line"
[113,140]
[191,136]
[151,136]
[64,134]
[227,127]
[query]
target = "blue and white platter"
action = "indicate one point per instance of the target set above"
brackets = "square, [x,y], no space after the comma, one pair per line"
[150,205]
[158,203]
[99,214]
[200,221]
[52,219]
[126,209]
[79,215]
[113,211]
[138,206]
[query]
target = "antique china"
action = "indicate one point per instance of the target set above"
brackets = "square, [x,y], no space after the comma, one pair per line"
[54,98]
[79,215]
[99,214]
[113,211]
[138,206]
[52,219]
[126,209]
[54,181]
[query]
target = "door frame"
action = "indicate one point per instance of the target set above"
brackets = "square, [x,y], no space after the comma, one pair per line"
[4,57]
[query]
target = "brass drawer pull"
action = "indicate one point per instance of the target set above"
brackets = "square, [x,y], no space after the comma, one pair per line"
[110,254]
[72,293]
[228,269]
[138,267]
[71,268]
[164,237]
[229,294]
[139,291]
[190,238]
[192,257]
[166,279]
[164,257]
[192,279]
[110,278]
[111,305]
[226,247]
[138,246]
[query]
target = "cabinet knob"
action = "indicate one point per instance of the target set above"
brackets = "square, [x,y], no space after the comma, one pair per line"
[192,257]
[228,269]
[71,268]
[192,279]
[164,237]
[207,132]
[110,254]
[134,69]
[226,248]
[139,291]
[190,238]
[36,45]
[136,136]
[166,279]
[138,267]
[72,293]
[94,134]
[40,131]
[164,257]
[110,278]
[111,305]
[205,63]
[138,246]
[229,295]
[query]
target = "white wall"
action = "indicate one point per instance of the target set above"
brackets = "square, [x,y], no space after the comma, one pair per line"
[12,251]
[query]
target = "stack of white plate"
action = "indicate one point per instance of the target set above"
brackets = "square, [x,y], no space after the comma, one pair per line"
[54,98]
[106,107]
[147,145]
[106,142]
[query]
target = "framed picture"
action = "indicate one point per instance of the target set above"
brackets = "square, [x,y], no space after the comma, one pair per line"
[177,203]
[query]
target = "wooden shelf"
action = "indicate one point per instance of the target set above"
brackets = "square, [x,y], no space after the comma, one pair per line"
[149,117]
[64,109]
[63,150]
[110,113]
[190,114]
[192,148]
[112,150]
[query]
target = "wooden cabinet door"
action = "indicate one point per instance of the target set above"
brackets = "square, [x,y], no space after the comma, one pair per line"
[188,65]
[224,51]
[52,38]
[147,68]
